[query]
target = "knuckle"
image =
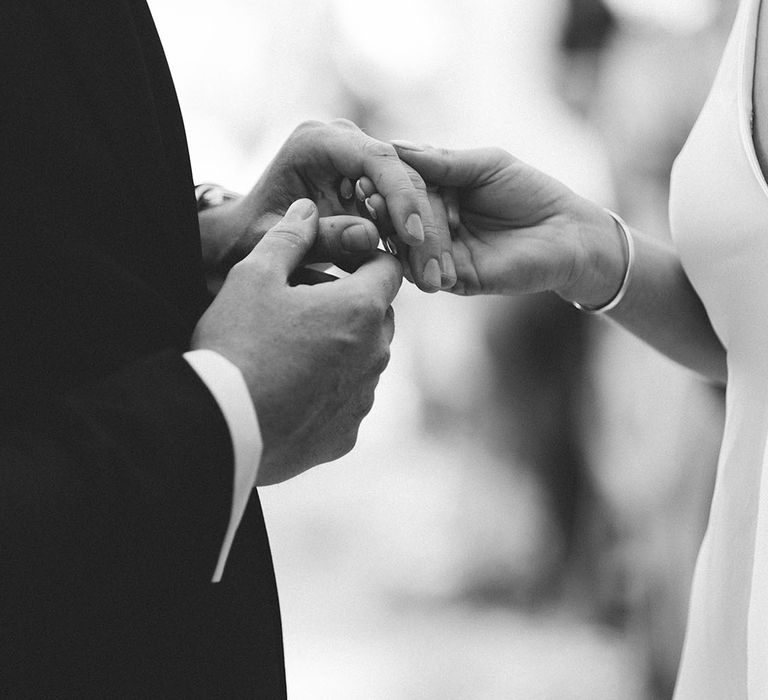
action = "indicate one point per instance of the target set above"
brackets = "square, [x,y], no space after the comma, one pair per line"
[347,442]
[498,155]
[431,229]
[308,125]
[416,180]
[379,149]
[368,309]
[250,267]
[285,233]
[382,362]
[344,124]
[363,404]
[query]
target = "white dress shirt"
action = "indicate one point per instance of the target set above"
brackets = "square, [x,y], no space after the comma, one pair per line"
[225,382]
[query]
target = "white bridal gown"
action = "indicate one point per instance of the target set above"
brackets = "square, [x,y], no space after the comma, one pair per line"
[719,215]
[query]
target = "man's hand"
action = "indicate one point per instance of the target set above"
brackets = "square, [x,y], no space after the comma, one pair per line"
[311,355]
[319,161]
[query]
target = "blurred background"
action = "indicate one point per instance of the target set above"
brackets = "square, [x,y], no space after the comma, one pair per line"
[522,512]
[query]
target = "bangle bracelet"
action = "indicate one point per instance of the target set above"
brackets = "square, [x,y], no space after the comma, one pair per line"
[615,300]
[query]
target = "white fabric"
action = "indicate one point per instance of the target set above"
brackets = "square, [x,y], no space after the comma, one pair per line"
[719,216]
[225,381]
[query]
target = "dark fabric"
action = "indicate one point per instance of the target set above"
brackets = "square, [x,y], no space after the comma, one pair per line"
[115,462]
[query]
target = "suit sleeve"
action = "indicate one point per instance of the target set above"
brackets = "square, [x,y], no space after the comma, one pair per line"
[225,381]
[127,480]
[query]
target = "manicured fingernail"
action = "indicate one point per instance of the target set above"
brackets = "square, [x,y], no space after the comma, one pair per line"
[449,271]
[359,190]
[300,209]
[346,190]
[371,210]
[432,273]
[355,239]
[406,145]
[414,226]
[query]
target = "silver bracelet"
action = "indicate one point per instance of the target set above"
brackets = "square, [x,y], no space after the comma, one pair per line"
[615,300]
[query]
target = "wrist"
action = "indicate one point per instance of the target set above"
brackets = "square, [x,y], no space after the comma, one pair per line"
[601,266]
[217,219]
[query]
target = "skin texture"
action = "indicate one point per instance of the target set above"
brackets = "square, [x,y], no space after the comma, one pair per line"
[310,355]
[319,161]
[520,231]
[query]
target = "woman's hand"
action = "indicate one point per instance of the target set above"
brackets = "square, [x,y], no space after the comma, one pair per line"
[515,229]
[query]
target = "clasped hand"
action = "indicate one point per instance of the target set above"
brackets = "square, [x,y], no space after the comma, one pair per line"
[473,222]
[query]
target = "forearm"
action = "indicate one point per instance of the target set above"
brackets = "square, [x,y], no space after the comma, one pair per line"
[660,305]
[130,478]
[662,308]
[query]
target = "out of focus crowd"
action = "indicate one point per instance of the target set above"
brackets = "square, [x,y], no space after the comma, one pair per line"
[521,515]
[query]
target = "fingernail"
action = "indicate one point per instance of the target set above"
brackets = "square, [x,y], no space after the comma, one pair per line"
[359,190]
[356,239]
[300,209]
[414,226]
[449,271]
[432,273]
[371,210]
[406,145]
[346,190]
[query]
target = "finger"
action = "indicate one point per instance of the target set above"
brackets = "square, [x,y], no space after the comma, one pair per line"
[431,263]
[450,196]
[373,205]
[346,189]
[355,154]
[442,219]
[365,188]
[379,274]
[445,167]
[287,243]
[341,236]
[377,209]
[389,325]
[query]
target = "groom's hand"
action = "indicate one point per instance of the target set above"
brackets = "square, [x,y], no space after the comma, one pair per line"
[319,161]
[310,355]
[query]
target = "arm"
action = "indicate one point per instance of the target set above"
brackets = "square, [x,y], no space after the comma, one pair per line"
[126,480]
[129,480]
[660,306]
[519,231]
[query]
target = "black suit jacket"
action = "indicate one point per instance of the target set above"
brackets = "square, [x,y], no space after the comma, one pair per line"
[115,461]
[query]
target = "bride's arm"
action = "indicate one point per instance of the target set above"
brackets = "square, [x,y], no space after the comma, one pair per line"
[522,231]
[660,305]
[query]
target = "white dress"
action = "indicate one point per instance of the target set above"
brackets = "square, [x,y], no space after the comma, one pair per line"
[719,216]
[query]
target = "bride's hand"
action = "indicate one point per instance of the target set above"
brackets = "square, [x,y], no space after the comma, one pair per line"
[517,230]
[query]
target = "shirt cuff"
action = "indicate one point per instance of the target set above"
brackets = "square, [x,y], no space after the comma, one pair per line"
[225,382]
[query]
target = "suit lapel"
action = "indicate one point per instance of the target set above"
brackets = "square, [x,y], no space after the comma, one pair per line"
[100,38]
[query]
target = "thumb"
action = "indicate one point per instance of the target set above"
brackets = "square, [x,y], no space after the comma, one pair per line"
[343,240]
[287,243]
